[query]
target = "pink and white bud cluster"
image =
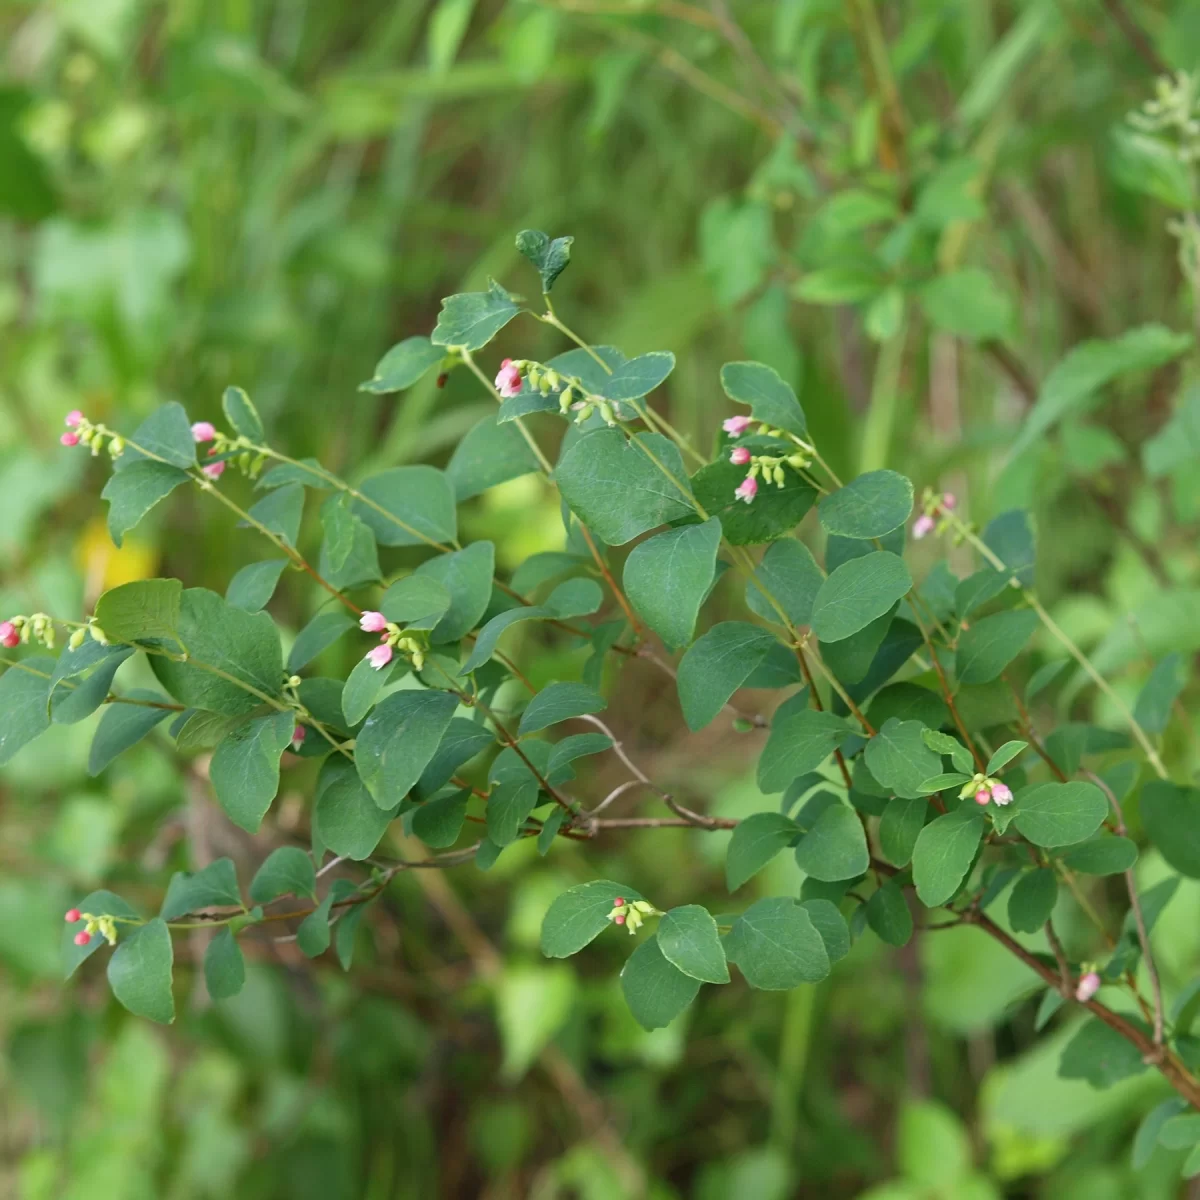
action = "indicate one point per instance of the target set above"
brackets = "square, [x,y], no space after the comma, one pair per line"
[37,627]
[392,639]
[936,508]
[1087,987]
[767,467]
[986,790]
[80,429]
[240,451]
[632,914]
[509,378]
[105,926]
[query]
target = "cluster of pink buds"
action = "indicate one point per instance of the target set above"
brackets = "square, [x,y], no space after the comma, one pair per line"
[632,914]
[38,627]
[985,789]
[1088,986]
[239,450]
[392,638]
[935,509]
[509,379]
[768,467]
[105,926]
[80,429]
[572,395]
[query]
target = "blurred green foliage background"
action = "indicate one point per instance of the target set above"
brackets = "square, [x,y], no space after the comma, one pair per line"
[270,193]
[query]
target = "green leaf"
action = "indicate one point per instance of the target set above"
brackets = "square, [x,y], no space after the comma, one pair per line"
[242,415]
[132,493]
[655,990]
[165,434]
[776,946]
[319,634]
[549,255]
[399,738]
[224,966]
[349,555]
[1032,900]
[472,319]
[851,659]
[774,512]
[1074,380]
[668,576]
[941,783]
[345,817]
[245,767]
[1180,1132]
[857,593]
[835,847]
[1059,814]
[133,612]
[1043,677]
[638,377]
[943,743]
[281,511]
[1146,1139]
[1104,855]
[968,303]
[989,645]
[848,284]
[770,398]
[438,822]
[790,574]
[286,871]
[868,507]
[580,915]
[559,702]
[508,807]
[403,365]
[214,886]
[1171,817]
[254,585]
[139,971]
[200,730]
[899,827]
[899,759]
[461,742]
[755,841]
[575,598]
[344,931]
[1153,709]
[313,935]
[550,828]
[467,576]
[23,701]
[408,506]
[889,916]
[71,701]
[122,726]
[489,454]
[688,939]
[617,489]
[234,657]
[1004,755]
[362,689]
[831,925]
[1177,443]
[716,665]
[576,746]
[1100,1055]
[416,601]
[943,854]
[489,635]
[801,739]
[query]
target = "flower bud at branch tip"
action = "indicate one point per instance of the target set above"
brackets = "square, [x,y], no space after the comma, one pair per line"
[372,622]
[204,431]
[1088,986]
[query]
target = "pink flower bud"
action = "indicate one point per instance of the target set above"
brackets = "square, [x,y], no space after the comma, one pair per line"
[619,902]
[922,526]
[372,622]
[73,418]
[508,380]
[204,431]
[82,938]
[736,426]
[8,634]
[380,656]
[948,501]
[982,796]
[1001,794]
[619,919]
[72,915]
[214,470]
[69,439]
[739,456]
[298,736]
[747,489]
[1087,987]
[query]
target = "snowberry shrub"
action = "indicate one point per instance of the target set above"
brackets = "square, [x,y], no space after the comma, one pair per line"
[902,766]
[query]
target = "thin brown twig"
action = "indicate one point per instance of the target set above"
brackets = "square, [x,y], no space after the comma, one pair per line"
[1142,46]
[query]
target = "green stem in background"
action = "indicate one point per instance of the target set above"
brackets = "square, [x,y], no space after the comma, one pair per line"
[881,412]
[795,1036]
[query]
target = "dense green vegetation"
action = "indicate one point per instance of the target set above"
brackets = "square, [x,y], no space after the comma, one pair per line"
[966,252]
